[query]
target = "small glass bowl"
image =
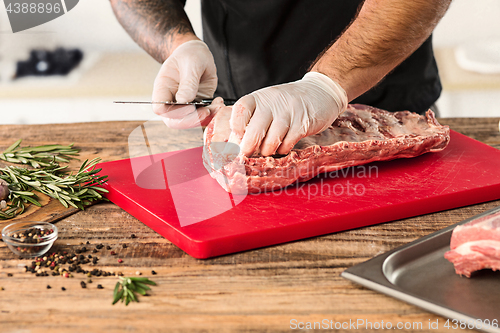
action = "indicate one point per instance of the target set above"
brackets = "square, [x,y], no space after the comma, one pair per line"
[29,239]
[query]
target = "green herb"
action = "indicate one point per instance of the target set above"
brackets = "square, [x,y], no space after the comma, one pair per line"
[127,287]
[47,177]
[77,190]
[38,156]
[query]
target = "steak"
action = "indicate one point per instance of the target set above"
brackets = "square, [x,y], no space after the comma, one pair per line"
[476,245]
[360,135]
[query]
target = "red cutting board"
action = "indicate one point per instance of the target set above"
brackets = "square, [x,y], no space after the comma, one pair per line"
[174,195]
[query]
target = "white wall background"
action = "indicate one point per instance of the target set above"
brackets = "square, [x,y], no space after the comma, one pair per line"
[468,20]
[91,25]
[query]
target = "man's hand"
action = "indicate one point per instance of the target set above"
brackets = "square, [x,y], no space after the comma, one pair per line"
[275,118]
[189,73]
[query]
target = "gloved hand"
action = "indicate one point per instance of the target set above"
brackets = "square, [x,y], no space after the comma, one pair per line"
[188,74]
[275,118]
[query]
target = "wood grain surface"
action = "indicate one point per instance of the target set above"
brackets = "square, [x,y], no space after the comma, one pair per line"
[261,290]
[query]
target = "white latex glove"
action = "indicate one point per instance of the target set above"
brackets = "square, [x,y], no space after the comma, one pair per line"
[275,118]
[188,74]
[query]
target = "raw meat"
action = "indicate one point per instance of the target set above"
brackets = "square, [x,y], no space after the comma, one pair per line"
[476,245]
[362,134]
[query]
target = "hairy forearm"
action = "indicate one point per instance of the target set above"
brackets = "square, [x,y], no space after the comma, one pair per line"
[158,26]
[384,33]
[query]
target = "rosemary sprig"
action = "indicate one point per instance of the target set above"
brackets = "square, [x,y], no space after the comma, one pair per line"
[47,177]
[127,287]
[77,190]
[38,156]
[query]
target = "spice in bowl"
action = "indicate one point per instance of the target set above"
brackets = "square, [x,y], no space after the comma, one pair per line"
[29,239]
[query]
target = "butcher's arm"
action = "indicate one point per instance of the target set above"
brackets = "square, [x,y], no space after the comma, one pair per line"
[158,26]
[384,33]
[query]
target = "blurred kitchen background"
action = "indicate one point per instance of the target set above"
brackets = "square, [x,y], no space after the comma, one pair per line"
[113,67]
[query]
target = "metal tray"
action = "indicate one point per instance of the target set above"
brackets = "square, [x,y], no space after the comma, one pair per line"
[419,274]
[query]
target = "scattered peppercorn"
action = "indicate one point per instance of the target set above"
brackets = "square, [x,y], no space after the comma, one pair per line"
[64,264]
[120,261]
[153,272]
[112,253]
[132,236]
[124,246]
[9,274]
[63,289]
[87,243]
[100,286]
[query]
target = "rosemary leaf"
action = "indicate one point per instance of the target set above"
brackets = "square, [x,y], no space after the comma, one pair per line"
[23,193]
[13,146]
[48,177]
[126,288]
[33,201]
[40,155]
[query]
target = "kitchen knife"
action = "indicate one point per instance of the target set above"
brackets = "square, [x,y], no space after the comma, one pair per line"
[203,102]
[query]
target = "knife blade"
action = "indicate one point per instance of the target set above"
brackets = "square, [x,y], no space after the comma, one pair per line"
[203,102]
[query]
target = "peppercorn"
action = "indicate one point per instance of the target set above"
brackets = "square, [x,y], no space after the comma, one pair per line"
[63,289]
[83,284]
[108,247]
[112,253]
[124,246]
[132,236]
[120,261]
[100,286]
[153,272]
[9,274]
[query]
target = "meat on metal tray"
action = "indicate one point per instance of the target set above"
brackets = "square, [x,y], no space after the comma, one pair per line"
[419,274]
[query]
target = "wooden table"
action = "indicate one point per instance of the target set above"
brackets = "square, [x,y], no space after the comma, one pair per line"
[262,290]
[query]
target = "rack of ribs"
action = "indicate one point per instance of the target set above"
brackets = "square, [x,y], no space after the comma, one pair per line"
[360,135]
